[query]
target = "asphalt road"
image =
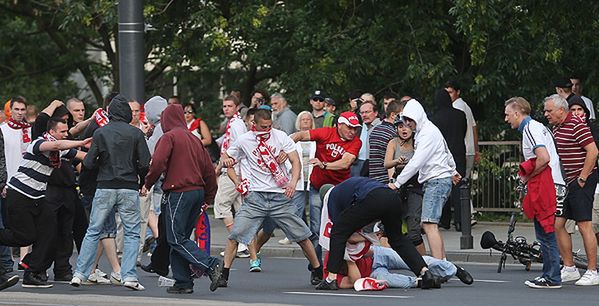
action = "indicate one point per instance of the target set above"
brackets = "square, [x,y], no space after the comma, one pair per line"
[284,281]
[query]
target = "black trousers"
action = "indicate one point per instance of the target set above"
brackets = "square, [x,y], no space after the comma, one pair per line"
[160,259]
[30,222]
[80,224]
[380,204]
[62,200]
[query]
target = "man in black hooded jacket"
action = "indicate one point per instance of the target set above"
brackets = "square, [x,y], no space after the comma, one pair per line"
[121,154]
[453,126]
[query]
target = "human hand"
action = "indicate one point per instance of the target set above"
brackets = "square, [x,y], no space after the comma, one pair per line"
[86,143]
[143,191]
[392,186]
[456,178]
[289,190]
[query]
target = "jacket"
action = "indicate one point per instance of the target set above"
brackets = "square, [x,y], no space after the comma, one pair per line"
[452,124]
[181,157]
[540,201]
[119,150]
[432,158]
[154,108]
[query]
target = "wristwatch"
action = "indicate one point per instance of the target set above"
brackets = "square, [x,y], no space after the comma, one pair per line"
[324,165]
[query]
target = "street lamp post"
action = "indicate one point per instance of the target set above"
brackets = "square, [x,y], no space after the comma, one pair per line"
[131,49]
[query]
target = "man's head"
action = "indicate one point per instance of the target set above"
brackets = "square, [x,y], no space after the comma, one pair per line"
[576,85]
[263,120]
[516,109]
[394,108]
[18,108]
[317,100]
[563,87]
[387,98]
[174,100]
[453,89]
[368,112]
[278,102]
[347,124]
[578,107]
[555,109]
[77,109]
[330,105]
[135,112]
[57,128]
[249,117]
[230,106]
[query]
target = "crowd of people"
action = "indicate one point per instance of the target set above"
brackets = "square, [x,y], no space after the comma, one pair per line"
[339,184]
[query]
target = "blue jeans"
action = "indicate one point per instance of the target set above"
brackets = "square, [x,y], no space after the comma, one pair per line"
[5,255]
[298,201]
[108,230]
[436,193]
[182,211]
[385,259]
[126,202]
[551,262]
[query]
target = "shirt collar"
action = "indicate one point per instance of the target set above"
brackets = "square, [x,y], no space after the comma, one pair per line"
[524,123]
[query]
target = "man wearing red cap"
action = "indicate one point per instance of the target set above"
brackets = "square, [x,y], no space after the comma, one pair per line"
[336,150]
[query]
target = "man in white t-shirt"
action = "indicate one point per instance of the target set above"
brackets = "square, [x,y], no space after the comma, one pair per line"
[577,90]
[537,142]
[267,189]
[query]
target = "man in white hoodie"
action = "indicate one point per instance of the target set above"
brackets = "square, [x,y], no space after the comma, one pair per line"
[437,171]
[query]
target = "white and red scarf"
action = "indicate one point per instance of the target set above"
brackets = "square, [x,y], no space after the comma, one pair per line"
[54,156]
[227,138]
[20,125]
[269,159]
[101,117]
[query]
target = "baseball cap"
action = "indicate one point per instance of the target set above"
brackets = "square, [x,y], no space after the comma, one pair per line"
[324,189]
[349,118]
[318,94]
[369,284]
[562,83]
[330,101]
[399,120]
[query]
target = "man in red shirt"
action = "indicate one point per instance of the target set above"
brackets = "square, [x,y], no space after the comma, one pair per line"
[578,154]
[336,150]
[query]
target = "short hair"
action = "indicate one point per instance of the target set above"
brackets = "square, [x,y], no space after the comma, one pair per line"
[18,99]
[263,92]
[577,77]
[262,114]
[367,97]
[389,95]
[299,117]
[393,107]
[354,94]
[232,98]
[193,107]
[250,112]
[278,96]
[371,103]
[453,84]
[53,122]
[108,99]
[558,101]
[71,100]
[519,104]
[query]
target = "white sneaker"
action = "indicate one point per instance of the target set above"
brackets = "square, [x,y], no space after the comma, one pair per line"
[588,279]
[569,276]
[101,274]
[76,281]
[115,278]
[284,241]
[134,286]
[96,279]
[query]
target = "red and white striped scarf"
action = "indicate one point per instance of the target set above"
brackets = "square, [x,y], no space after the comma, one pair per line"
[269,159]
[54,156]
[101,117]
[227,138]
[20,125]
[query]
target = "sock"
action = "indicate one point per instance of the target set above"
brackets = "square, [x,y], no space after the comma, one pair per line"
[570,269]
[226,273]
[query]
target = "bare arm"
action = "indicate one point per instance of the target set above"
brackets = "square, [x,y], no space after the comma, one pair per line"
[296,167]
[300,136]
[80,155]
[344,163]
[589,161]
[49,110]
[205,132]
[63,144]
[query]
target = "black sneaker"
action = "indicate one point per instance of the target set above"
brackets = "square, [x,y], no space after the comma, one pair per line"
[316,276]
[34,280]
[542,283]
[222,282]
[177,290]
[327,285]
[464,276]
[63,278]
[150,269]
[7,279]
[215,274]
[428,281]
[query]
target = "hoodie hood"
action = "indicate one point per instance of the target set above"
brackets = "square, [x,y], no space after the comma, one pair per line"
[576,100]
[415,111]
[153,108]
[442,99]
[172,118]
[119,109]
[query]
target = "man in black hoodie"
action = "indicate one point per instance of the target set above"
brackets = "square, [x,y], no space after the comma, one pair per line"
[120,153]
[453,126]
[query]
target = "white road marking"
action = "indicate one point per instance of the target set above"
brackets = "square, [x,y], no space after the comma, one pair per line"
[351,295]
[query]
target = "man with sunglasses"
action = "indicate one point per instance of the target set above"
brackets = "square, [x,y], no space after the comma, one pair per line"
[318,111]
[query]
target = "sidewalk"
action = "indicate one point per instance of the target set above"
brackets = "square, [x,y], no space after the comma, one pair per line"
[452,242]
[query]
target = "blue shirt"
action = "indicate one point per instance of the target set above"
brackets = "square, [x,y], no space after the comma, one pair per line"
[348,193]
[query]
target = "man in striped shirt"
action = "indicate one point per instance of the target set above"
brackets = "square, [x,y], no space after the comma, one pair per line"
[25,195]
[578,154]
[378,140]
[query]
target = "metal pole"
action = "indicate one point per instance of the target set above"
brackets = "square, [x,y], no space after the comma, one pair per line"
[466,240]
[131,49]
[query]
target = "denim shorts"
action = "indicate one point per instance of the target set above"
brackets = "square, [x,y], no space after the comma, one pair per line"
[258,206]
[436,192]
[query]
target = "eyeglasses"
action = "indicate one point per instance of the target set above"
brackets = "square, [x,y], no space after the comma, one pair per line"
[188,112]
[318,99]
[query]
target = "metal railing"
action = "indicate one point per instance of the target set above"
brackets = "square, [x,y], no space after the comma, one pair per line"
[494,178]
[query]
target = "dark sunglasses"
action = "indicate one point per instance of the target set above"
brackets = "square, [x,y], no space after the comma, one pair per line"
[188,112]
[318,99]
